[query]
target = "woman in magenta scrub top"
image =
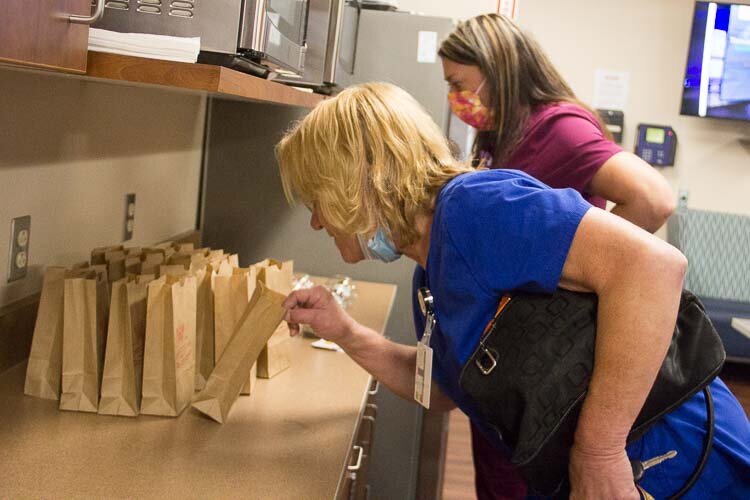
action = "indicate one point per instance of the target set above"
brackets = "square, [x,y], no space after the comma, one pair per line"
[528,118]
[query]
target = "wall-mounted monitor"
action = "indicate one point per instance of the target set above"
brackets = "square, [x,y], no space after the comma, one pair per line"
[717,77]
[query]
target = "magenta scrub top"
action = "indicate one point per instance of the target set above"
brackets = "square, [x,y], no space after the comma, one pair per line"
[563,147]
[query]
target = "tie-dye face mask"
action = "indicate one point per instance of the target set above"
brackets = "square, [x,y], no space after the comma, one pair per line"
[468,107]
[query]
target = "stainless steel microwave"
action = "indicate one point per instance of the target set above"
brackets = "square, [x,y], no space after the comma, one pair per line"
[294,40]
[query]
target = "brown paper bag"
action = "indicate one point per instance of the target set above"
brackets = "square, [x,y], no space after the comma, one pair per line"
[45,359]
[183,247]
[165,249]
[231,295]
[84,326]
[169,353]
[188,260]
[204,328]
[116,265]
[173,270]
[98,254]
[133,251]
[123,358]
[151,262]
[258,322]
[215,256]
[133,265]
[276,357]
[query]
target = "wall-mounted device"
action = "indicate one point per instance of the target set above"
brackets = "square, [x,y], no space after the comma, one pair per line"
[614,120]
[657,144]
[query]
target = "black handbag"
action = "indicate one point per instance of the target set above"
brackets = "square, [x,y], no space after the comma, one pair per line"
[531,369]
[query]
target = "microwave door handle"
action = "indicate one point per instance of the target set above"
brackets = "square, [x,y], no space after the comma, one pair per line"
[98,12]
[259,26]
[334,31]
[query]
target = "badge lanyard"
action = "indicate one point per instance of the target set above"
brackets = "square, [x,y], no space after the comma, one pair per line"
[423,372]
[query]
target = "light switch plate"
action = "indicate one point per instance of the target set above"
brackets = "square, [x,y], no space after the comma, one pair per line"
[129,216]
[18,258]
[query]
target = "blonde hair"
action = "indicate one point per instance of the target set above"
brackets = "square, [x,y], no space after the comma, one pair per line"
[519,74]
[369,157]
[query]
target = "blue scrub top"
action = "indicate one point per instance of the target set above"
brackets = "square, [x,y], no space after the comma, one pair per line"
[495,231]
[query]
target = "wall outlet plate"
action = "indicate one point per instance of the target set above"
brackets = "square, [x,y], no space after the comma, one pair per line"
[129,217]
[682,198]
[18,258]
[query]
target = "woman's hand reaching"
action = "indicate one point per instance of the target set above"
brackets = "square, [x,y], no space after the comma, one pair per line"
[317,307]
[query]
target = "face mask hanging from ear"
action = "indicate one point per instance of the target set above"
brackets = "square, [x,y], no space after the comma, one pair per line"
[468,107]
[378,247]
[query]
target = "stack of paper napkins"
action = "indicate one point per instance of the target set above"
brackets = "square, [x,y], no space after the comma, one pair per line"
[170,48]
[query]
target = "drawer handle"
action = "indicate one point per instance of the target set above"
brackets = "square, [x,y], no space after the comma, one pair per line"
[375,389]
[356,466]
[98,11]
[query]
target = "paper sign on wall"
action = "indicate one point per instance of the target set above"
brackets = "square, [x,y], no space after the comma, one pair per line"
[611,89]
[508,8]
[427,46]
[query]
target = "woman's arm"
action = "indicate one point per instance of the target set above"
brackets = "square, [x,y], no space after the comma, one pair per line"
[391,363]
[638,279]
[640,193]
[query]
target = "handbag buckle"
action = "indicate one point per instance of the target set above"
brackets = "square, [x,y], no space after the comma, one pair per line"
[486,367]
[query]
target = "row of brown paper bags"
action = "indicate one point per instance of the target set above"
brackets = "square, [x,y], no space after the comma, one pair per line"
[200,326]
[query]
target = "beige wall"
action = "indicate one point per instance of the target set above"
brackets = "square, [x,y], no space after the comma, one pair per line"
[648,39]
[69,152]
[456,9]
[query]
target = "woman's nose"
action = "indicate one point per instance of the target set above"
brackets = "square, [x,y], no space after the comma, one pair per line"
[315,221]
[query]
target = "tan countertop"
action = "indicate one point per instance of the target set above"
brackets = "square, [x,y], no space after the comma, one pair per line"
[289,440]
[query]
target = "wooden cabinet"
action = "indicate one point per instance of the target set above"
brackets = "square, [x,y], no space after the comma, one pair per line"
[40,33]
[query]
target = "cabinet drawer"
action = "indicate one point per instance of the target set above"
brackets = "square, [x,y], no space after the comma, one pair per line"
[354,483]
[40,33]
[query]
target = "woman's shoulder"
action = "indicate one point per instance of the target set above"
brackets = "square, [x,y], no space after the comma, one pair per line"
[468,196]
[493,181]
[546,115]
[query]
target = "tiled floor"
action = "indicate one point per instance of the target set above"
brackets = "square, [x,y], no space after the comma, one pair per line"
[458,483]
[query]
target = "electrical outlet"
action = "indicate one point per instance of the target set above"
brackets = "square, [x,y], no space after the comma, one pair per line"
[18,259]
[129,216]
[682,197]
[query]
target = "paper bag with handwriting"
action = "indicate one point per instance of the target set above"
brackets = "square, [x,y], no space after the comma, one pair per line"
[169,353]
[123,358]
[85,309]
[275,357]
[258,322]
[45,359]
[231,295]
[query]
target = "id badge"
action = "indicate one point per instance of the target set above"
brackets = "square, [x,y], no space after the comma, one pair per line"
[423,372]
[423,375]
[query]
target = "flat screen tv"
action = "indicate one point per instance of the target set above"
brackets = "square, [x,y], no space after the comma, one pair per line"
[717,77]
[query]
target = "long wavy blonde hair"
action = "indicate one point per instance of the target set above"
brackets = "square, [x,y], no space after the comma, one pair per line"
[519,74]
[369,157]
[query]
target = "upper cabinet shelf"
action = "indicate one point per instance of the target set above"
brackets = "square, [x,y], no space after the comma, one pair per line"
[215,80]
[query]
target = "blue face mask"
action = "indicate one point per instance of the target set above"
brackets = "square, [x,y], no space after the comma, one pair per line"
[379,247]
